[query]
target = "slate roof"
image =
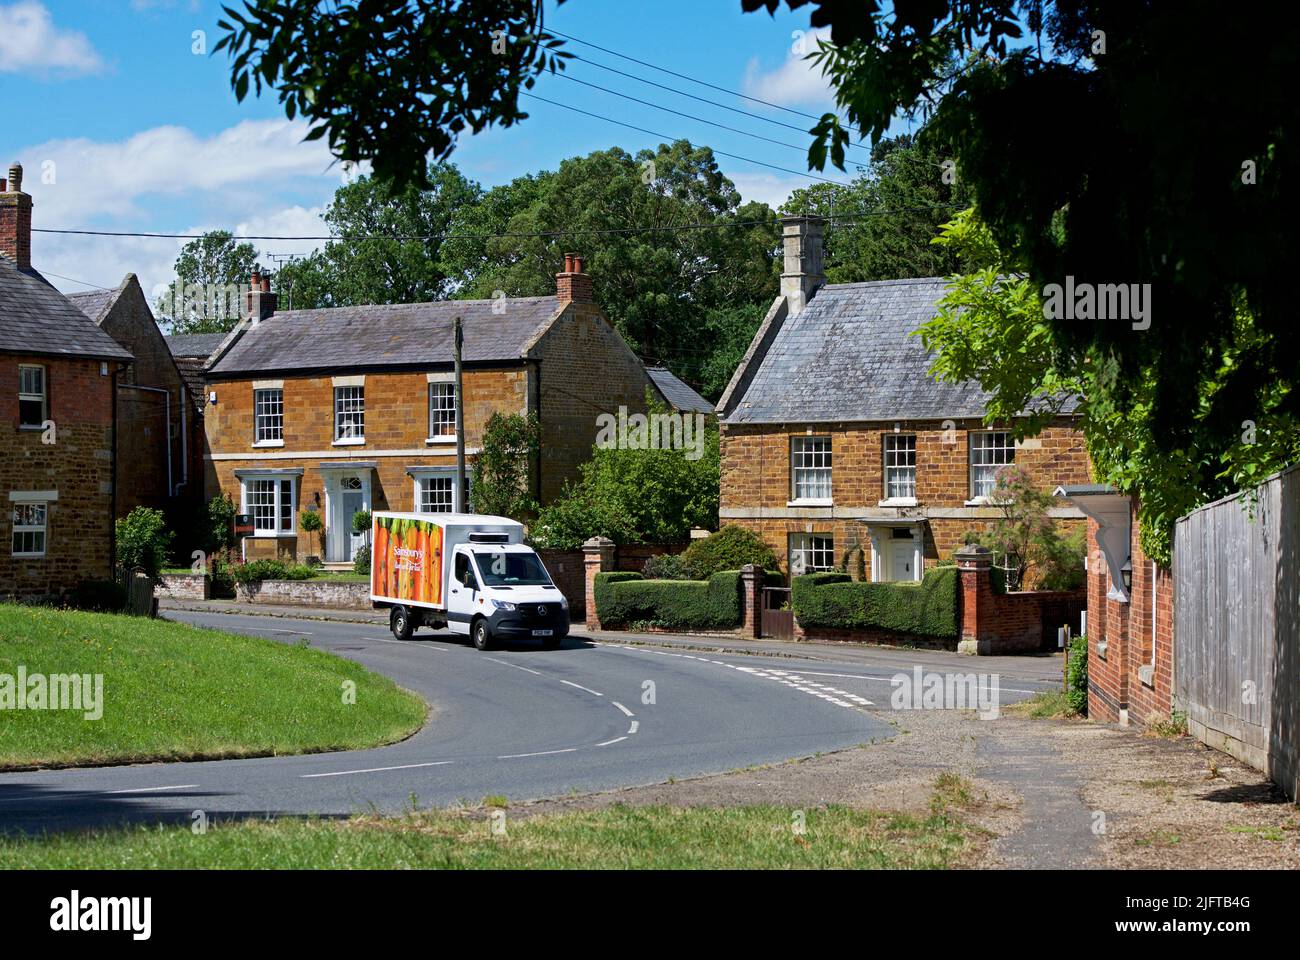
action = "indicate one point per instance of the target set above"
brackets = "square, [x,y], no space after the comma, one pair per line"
[95,303]
[200,345]
[849,356]
[338,338]
[35,318]
[680,396]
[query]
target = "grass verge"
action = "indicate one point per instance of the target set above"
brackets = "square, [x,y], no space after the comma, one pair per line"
[1045,705]
[176,692]
[618,837]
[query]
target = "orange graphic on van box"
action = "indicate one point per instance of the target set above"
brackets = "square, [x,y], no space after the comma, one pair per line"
[407,560]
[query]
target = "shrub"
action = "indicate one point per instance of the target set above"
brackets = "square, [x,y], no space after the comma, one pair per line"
[143,540]
[665,566]
[730,548]
[715,603]
[361,523]
[299,571]
[310,521]
[833,600]
[361,561]
[221,524]
[257,570]
[1076,676]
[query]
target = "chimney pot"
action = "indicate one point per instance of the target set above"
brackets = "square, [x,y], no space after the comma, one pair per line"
[266,283]
[16,177]
[578,263]
[568,263]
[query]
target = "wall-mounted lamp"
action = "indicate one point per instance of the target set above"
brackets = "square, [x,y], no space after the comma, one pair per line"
[1126,572]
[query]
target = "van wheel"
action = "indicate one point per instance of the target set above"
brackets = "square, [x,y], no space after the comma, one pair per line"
[399,621]
[482,634]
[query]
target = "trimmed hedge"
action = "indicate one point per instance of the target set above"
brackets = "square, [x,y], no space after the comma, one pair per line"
[834,600]
[624,597]
[1076,675]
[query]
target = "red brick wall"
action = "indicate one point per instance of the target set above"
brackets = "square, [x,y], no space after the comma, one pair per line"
[1116,685]
[78,465]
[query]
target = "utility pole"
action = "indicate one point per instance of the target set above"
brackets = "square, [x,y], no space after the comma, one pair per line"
[458,342]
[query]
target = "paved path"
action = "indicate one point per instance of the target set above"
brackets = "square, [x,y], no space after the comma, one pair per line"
[523,723]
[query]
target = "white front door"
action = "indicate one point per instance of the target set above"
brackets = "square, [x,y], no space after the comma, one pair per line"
[349,496]
[903,557]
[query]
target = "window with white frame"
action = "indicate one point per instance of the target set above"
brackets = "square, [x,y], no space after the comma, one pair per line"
[900,466]
[349,413]
[810,468]
[268,415]
[811,553]
[989,453]
[271,501]
[442,410]
[29,529]
[435,492]
[32,399]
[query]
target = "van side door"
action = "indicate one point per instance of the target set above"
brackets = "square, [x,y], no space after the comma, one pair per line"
[463,592]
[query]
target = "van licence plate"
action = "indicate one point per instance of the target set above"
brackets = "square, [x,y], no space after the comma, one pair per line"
[543,633]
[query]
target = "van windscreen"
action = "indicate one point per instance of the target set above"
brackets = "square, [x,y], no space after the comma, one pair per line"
[502,569]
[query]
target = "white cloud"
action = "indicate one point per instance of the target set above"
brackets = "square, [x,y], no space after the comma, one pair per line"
[30,42]
[242,174]
[797,81]
[770,188]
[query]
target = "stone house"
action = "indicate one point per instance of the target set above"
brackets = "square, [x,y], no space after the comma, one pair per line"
[840,449]
[155,410]
[350,408]
[58,376]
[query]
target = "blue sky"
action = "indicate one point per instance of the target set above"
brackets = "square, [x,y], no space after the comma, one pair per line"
[106,99]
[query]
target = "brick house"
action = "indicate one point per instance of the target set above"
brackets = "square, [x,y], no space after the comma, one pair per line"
[154,406]
[840,449]
[1130,613]
[58,372]
[353,408]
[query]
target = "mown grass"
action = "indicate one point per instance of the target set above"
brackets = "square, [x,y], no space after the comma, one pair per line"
[619,837]
[172,691]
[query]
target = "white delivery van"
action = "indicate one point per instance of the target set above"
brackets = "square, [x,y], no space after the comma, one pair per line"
[470,573]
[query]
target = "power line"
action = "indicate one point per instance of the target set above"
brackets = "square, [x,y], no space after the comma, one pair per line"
[688,116]
[733,156]
[93,286]
[543,234]
[682,76]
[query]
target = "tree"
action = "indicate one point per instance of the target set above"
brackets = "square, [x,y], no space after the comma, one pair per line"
[391,83]
[881,226]
[211,274]
[990,327]
[504,469]
[1098,150]
[1024,538]
[635,495]
[399,259]
[636,219]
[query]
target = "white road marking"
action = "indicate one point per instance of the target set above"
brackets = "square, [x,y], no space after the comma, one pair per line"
[608,742]
[507,663]
[581,687]
[632,729]
[405,766]
[623,708]
[296,633]
[179,786]
[542,753]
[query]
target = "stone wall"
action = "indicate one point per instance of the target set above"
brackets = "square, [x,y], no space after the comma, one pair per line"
[309,593]
[186,586]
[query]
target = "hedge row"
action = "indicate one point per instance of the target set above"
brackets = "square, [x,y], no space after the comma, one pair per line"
[833,600]
[713,604]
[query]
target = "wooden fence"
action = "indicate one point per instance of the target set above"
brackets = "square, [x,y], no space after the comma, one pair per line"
[1236,574]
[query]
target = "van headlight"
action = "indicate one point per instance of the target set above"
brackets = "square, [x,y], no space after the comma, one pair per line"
[503,605]
[564,603]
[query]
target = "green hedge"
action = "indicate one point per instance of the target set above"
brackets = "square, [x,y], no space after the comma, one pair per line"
[833,600]
[1076,676]
[624,597]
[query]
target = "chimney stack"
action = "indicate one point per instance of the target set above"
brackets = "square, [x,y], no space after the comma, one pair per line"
[802,272]
[260,302]
[573,284]
[16,219]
